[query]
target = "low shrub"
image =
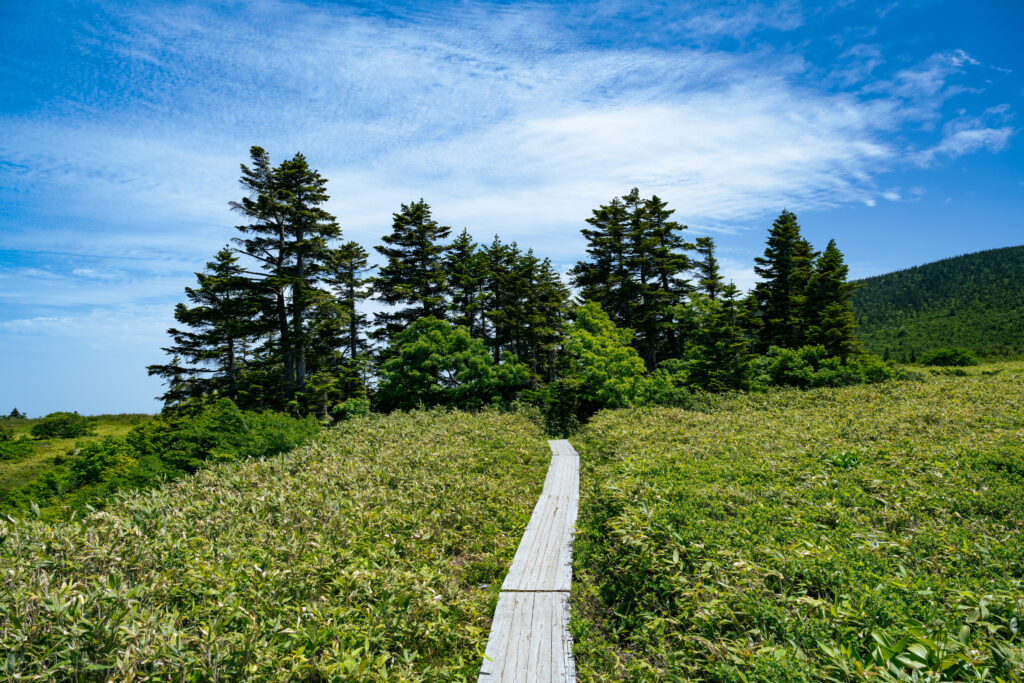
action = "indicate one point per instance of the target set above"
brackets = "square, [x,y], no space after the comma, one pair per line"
[163,448]
[810,367]
[16,449]
[61,425]
[350,408]
[373,553]
[954,357]
[862,533]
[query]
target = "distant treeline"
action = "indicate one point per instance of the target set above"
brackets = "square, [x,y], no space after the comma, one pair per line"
[277,319]
[975,301]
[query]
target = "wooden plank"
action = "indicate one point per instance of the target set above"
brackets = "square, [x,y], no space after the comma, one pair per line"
[536,646]
[530,640]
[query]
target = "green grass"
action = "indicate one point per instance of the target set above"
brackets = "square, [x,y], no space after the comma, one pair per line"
[49,452]
[375,552]
[863,533]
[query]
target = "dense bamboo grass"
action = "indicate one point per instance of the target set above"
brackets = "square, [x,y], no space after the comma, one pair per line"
[374,553]
[863,533]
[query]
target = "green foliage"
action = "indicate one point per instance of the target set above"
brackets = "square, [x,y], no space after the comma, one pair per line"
[609,371]
[435,364]
[163,448]
[975,302]
[636,269]
[351,408]
[6,432]
[784,270]
[948,358]
[61,425]
[374,553]
[811,366]
[414,276]
[16,449]
[861,533]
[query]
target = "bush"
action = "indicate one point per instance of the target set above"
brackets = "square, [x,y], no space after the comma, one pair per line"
[61,425]
[955,357]
[436,364]
[16,450]
[350,408]
[6,433]
[165,448]
[809,367]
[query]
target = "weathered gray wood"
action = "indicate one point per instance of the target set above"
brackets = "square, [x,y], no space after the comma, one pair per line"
[529,638]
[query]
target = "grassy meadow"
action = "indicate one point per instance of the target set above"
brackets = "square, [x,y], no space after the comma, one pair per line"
[863,533]
[49,452]
[374,553]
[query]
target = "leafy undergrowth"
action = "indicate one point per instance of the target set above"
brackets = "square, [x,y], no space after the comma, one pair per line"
[863,533]
[375,552]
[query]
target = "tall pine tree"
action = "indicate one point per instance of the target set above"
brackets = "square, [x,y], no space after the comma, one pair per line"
[709,276]
[784,269]
[413,279]
[828,310]
[208,351]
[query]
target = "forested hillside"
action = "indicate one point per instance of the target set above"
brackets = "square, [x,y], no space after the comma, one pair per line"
[975,301]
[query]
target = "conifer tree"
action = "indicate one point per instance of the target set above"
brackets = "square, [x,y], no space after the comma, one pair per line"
[310,230]
[784,269]
[709,277]
[346,274]
[207,352]
[634,270]
[265,240]
[465,266]
[288,235]
[414,273]
[718,353]
[827,306]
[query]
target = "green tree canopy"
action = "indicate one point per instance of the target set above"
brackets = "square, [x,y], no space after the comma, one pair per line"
[610,371]
[433,363]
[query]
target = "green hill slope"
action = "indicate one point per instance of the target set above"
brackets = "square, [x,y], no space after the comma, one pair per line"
[373,553]
[975,301]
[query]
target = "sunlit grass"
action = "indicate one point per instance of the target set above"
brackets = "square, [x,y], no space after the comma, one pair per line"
[837,534]
[17,473]
[376,551]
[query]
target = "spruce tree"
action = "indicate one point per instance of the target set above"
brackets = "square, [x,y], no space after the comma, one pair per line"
[208,350]
[310,231]
[634,270]
[466,271]
[784,269]
[413,278]
[346,274]
[709,277]
[265,240]
[827,306]
[718,354]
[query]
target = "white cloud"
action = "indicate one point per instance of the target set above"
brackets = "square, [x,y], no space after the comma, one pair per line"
[503,121]
[892,195]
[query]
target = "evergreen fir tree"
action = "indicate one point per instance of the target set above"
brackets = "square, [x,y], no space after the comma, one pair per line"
[634,270]
[265,240]
[310,230]
[346,274]
[827,306]
[207,351]
[784,269]
[718,354]
[465,267]
[709,277]
[414,273]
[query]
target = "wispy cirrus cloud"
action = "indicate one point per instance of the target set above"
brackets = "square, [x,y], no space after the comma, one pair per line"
[504,128]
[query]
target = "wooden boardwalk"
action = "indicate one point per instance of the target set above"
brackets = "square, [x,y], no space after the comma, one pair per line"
[530,639]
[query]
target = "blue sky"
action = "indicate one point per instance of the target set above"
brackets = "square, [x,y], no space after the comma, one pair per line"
[892,127]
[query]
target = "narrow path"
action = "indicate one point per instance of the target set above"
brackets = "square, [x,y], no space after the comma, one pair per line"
[530,639]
